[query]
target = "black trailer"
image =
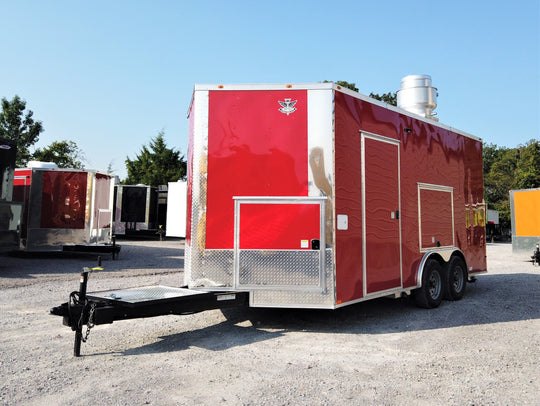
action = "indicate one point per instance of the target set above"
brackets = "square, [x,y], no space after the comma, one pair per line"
[84,310]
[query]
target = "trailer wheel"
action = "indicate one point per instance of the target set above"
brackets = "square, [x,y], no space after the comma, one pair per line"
[430,294]
[456,279]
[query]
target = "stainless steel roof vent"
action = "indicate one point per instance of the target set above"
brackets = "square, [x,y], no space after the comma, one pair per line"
[418,96]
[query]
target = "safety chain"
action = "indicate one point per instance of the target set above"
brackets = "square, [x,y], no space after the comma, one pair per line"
[90,323]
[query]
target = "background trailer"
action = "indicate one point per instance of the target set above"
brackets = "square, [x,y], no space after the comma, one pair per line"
[139,209]
[525,215]
[64,208]
[176,209]
[10,211]
[315,196]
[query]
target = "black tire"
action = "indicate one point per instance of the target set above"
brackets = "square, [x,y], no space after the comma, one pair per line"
[455,279]
[430,294]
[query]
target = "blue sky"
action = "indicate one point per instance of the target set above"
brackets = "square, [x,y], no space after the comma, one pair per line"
[110,75]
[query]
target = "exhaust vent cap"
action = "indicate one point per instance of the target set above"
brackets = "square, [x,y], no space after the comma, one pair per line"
[417,96]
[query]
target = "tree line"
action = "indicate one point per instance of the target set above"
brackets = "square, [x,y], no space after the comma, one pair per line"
[155,165]
[508,169]
[505,168]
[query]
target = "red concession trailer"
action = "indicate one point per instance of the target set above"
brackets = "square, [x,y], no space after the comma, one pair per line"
[316,196]
[64,209]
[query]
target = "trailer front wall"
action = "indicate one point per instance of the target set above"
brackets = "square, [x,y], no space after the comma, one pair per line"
[8,152]
[525,213]
[103,210]
[431,158]
[21,194]
[63,199]
[135,209]
[64,207]
[253,150]
[10,212]
[176,209]
[252,220]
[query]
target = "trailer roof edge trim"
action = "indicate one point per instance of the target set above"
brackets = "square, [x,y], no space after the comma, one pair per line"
[525,190]
[65,170]
[324,86]
[266,86]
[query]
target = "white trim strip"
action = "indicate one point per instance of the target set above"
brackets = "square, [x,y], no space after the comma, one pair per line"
[335,87]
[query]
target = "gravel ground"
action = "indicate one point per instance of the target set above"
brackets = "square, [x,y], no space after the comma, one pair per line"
[482,350]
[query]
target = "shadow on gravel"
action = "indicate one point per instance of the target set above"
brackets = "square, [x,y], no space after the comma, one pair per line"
[25,264]
[493,299]
[218,337]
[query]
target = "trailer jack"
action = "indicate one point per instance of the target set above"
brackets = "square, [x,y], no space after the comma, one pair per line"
[90,309]
[535,258]
[78,310]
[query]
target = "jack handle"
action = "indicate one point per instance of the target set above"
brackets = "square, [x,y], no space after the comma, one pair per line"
[82,301]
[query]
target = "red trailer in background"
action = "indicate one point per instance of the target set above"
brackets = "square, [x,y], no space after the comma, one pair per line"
[316,196]
[64,209]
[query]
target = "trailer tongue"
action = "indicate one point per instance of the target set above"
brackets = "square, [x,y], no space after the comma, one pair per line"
[90,309]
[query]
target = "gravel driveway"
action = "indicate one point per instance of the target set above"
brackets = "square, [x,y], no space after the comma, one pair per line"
[482,350]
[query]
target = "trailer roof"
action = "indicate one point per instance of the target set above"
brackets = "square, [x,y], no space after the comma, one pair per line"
[324,86]
[66,170]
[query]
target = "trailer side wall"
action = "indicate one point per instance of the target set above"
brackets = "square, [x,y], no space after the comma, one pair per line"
[440,190]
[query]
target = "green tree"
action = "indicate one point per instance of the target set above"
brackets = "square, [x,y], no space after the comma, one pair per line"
[508,169]
[110,168]
[156,165]
[528,166]
[498,181]
[389,98]
[348,85]
[17,126]
[343,83]
[490,154]
[65,154]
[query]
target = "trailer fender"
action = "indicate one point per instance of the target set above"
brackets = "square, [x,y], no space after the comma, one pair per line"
[443,256]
